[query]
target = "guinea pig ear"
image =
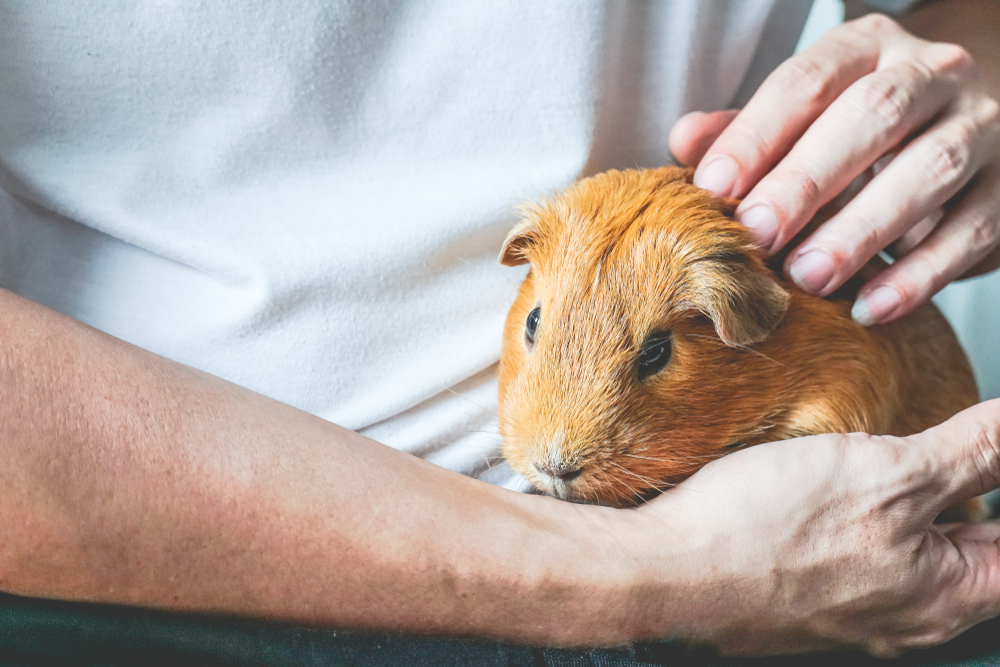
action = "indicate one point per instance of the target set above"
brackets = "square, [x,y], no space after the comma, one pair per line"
[515,246]
[740,295]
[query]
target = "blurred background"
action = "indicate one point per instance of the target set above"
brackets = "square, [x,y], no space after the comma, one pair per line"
[972,306]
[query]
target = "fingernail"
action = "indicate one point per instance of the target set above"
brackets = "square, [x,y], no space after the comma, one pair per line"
[812,271]
[718,176]
[762,223]
[875,306]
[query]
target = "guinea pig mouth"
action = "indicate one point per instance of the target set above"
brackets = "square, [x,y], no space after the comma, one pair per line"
[565,492]
[559,488]
[588,489]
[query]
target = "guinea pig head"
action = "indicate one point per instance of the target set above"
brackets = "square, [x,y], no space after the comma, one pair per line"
[625,364]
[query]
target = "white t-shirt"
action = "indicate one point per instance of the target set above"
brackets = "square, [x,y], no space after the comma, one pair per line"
[307,198]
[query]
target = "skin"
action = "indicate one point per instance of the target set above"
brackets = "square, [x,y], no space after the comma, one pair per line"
[131,479]
[203,496]
[864,90]
[853,559]
[128,478]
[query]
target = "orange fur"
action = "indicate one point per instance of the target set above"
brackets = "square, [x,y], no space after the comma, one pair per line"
[754,359]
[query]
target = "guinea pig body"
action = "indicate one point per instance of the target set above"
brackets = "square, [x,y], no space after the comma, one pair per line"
[650,338]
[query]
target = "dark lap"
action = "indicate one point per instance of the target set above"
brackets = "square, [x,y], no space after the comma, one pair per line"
[42,632]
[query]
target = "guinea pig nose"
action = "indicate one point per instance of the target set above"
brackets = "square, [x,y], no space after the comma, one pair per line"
[565,472]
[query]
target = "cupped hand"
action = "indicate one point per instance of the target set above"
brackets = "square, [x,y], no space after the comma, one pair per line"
[865,90]
[829,541]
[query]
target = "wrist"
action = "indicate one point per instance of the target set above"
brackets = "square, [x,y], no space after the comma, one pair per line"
[622,574]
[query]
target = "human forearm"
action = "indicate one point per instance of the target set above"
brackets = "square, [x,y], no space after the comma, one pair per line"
[130,479]
[126,478]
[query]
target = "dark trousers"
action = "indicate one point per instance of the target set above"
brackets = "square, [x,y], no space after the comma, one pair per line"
[44,632]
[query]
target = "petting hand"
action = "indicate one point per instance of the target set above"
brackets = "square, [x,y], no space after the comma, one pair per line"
[866,89]
[828,541]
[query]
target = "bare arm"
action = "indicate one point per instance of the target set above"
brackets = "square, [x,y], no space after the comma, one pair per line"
[130,479]
[127,478]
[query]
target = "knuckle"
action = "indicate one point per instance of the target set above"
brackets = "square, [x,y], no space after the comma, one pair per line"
[805,78]
[984,231]
[990,111]
[986,448]
[932,277]
[949,154]
[932,637]
[876,24]
[750,145]
[927,628]
[884,99]
[884,648]
[950,57]
[807,186]
[950,628]
[867,235]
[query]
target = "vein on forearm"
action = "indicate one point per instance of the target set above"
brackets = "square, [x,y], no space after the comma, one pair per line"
[130,479]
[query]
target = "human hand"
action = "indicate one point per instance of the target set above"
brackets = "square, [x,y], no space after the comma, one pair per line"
[865,89]
[829,541]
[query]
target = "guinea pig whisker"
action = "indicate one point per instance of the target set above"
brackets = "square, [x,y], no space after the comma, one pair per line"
[490,463]
[606,478]
[611,479]
[622,482]
[687,443]
[653,458]
[647,480]
[737,345]
[454,444]
[497,457]
[687,459]
[525,486]
[452,391]
[474,457]
[495,460]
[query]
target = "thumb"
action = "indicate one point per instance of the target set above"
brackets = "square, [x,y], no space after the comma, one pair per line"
[693,134]
[977,588]
[964,452]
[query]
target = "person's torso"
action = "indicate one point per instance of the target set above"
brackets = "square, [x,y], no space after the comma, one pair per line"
[307,198]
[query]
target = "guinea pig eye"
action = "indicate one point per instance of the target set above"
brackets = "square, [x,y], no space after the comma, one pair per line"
[654,355]
[531,325]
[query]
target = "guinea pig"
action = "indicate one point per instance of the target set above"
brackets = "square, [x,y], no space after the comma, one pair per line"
[651,337]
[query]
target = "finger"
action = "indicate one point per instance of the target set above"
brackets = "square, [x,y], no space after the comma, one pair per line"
[962,455]
[693,133]
[926,174]
[913,236]
[989,263]
[984,531]
[871,118]
[965,239]
[978,591]
[788,101]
